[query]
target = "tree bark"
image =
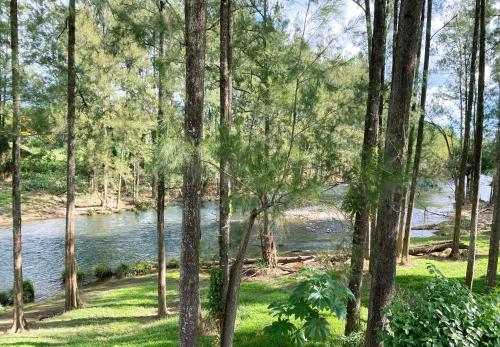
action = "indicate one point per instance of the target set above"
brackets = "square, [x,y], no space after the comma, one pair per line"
[195,14]
[384,267]
[492,270]
[233,291]
[72,300]
[160,190]
[402,214]
[460,192]
[226,118]
[369,161]
[478,146]
[420,137]
[19,325]
[369,32]
[268,246]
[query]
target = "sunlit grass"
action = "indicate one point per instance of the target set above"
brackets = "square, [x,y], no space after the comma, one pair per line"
[122,312]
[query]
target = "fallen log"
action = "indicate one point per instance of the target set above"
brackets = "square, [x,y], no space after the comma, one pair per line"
[434,247]
[425,227]
[280,260]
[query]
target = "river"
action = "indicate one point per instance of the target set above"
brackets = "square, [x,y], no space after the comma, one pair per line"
[129,237]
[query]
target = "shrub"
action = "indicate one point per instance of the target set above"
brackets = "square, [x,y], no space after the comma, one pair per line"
[7,298]
[80,275]
[4,299]
[143,267]
[443,313]
[122,270]
[214,305]
[310,300]
[103,271]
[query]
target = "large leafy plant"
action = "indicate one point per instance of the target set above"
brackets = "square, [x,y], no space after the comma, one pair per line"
[302,317]
[443,313]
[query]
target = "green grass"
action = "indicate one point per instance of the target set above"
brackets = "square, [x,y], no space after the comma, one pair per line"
[122,312]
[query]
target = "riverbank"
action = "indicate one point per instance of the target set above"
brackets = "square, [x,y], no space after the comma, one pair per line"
[122,312]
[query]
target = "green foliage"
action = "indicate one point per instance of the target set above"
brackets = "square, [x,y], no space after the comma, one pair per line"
[308,304]
[80,275]
[103,271]
[143,267]
[123,270]
[215,300]
[7,298]
[443,313]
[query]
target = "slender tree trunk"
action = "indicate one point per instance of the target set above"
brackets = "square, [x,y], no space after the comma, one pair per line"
[420,137]
[195,14]
[119,191]
[19,325]
[402,214]
[160,190]
[384,268]
[369,32]
[269,255]
[459,201]
[478,146]
[233,291]
[226,112]
[71,286]
[369,161]
[492,270]
[104,202]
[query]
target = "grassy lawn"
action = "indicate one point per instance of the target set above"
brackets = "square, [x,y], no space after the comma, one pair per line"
[122,312]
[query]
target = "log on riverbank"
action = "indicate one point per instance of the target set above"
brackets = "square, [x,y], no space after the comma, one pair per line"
[434,247]
[254,261]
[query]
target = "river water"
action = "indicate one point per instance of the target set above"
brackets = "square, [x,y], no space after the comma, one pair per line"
[130,237]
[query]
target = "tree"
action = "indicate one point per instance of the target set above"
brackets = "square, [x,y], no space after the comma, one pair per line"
[420,136]
[492,269]
[70,282]
[195,14]
[391,189]
[478,147]
[160,190]
[19,324]
[459,194]
[226,115]
[369,161]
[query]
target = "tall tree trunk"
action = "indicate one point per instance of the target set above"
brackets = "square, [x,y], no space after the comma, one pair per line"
[369,32]
[369,161]
[420,137]
[119,191]
[492,270]
[226,119]
[233,290]
[459,196]
[160,190]
[384,267]
[104,202]
[478,146]
[71,286]
[402,215]
[19,324]
[195,14]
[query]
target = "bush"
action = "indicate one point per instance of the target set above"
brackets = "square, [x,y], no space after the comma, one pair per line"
[4,299]
[123,270]
[143,267]
[443,313]
[214,305]
[80,275]
[103,271]
[7,298]
[311,299]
